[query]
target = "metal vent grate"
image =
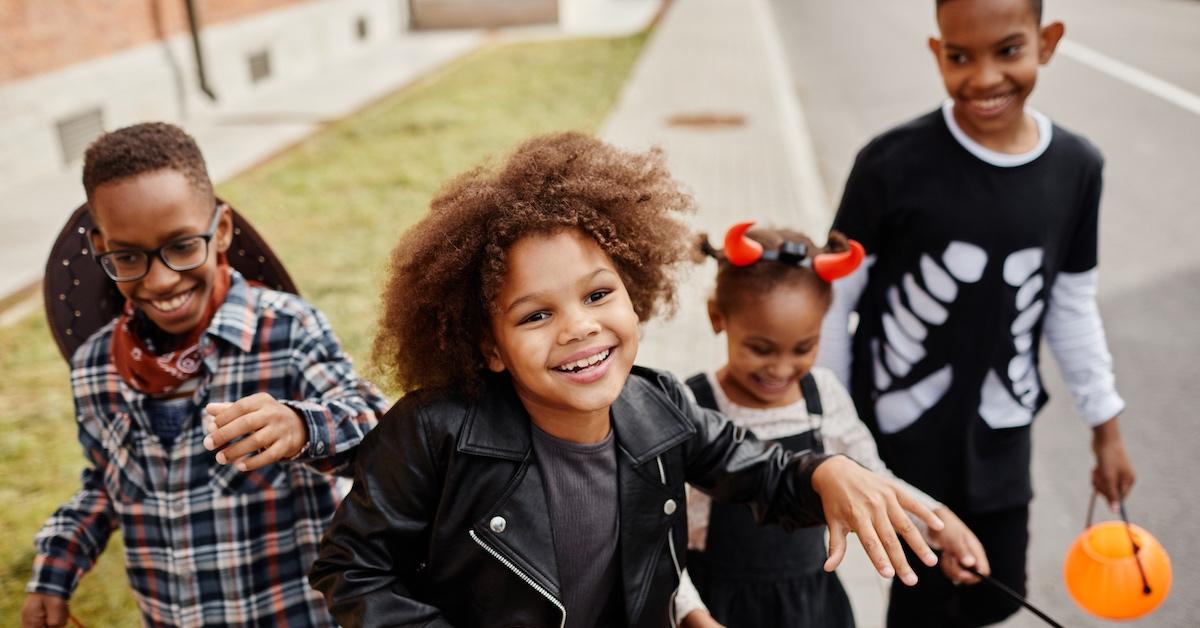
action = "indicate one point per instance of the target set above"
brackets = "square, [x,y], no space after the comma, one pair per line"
[260,65]
[76,131]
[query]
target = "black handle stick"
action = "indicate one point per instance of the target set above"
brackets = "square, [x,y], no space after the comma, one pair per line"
[1014,595]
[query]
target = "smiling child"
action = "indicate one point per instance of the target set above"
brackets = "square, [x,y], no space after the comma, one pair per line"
[983,217]
[535,476]
[220,524]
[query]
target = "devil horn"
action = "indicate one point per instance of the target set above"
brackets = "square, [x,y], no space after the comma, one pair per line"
[740,250]
[833,266]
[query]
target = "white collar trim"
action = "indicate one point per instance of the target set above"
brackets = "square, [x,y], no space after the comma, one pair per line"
[995,158]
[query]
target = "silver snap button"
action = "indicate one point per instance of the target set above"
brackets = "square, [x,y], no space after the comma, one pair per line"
[320,448]
[669,507]
[498,524]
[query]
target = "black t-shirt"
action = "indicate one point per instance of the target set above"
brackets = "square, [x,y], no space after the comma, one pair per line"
[966,245]
[581,491]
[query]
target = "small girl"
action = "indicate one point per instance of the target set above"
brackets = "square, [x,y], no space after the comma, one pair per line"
[534,476]
[773,288]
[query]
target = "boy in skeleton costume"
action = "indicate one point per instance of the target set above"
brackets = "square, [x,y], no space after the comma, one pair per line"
[982,217]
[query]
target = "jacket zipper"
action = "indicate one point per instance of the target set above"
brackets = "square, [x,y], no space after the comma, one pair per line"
[662,476]
[536,587]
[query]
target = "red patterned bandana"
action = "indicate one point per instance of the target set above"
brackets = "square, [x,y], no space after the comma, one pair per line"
[158,374]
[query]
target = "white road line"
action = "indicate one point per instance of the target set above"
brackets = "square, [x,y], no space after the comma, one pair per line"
[1167,91]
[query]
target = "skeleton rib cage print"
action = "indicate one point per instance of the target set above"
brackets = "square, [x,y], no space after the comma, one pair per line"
[916,309]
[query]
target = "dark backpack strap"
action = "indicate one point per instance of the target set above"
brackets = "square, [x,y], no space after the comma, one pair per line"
[703,391]
[812,397]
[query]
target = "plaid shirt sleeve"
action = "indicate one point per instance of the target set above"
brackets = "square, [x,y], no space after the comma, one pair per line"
[337,405]
[73,538]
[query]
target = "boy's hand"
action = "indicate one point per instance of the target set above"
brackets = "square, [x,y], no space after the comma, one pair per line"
[700,618]
[856,500]
[1113,475]
[960,549]
[270,428]
[41,610]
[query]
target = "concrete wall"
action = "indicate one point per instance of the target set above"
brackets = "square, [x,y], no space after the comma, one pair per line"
[38,36]
[431,14]
[157,80]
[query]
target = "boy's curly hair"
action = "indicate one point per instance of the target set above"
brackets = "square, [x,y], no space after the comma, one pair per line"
[143,148]
[738,286]
[447,269]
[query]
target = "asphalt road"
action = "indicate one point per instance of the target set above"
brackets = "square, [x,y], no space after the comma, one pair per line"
[1129,79]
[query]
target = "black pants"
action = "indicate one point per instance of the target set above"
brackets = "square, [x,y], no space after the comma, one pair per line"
[935,601]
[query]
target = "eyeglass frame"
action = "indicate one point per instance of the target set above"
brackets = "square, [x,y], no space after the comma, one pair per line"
[150,254]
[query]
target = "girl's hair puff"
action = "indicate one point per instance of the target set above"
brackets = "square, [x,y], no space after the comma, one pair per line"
[738,286]
[446,271]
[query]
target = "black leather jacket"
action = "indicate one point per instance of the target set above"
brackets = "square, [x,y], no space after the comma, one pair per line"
[447,523]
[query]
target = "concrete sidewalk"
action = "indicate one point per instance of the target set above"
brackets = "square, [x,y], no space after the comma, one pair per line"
[712,89]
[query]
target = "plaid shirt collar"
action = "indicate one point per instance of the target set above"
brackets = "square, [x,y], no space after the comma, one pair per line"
[235,321]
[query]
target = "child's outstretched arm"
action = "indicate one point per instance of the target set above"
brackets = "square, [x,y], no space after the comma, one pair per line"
[800,489]
[330,411]
[843,432]
[859,501]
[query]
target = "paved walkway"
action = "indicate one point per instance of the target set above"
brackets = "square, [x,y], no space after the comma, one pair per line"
[712,89]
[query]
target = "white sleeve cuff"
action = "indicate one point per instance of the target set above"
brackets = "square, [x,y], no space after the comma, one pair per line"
[687,599]
[1075,334]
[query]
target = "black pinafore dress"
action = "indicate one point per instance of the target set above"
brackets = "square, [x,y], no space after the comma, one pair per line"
[753,576]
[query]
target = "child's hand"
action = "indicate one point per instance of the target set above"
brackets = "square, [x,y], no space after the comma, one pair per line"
[960,549]
[1113,475]
[42,611]
[270,428]
[700,618]
[856,500]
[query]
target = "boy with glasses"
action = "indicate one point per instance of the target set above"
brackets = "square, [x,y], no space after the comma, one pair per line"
[221,521]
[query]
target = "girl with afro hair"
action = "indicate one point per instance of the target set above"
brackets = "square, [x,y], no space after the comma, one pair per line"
[533,475]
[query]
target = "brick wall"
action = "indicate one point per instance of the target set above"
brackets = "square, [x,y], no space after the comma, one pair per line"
[38,36]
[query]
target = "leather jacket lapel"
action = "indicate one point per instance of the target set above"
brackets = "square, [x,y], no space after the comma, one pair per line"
[644,530]
[647,428]
[646,423]
[497,424]
[518,528]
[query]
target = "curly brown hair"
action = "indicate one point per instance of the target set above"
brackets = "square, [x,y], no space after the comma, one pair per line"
[447,269]
[143,148]
[738,286]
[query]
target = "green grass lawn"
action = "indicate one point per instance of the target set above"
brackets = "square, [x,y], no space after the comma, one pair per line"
[332,208]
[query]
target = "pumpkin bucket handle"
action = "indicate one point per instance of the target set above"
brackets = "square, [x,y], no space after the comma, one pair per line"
[1146,590]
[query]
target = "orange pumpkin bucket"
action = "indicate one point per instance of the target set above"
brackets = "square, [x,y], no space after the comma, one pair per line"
[1116,570]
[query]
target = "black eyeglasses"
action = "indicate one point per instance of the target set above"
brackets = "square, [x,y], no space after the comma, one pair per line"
[180,254]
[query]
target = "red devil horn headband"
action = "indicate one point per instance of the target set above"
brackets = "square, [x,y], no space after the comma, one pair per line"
[743,251]
[740,250]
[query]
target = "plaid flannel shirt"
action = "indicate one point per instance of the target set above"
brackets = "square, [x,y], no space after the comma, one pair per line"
[206,544]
